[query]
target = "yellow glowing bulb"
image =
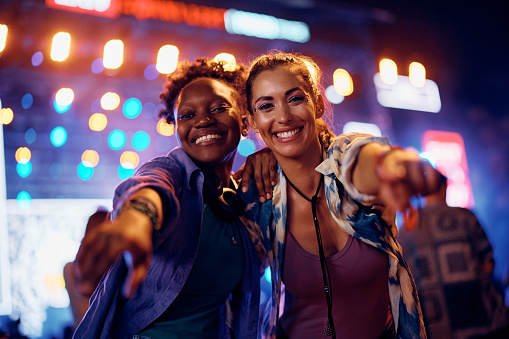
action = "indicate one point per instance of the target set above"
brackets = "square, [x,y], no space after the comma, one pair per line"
[90,158]
[23,155]
[110,101]
[97,122]
[388,71]
[165,128]
[60,46]
[167,59]
[7,116]
[129,160]
[228,59]
[113,55]
[343,83]
[417,74]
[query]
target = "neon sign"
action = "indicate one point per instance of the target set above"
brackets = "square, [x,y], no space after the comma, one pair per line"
[446,151]
[231,20]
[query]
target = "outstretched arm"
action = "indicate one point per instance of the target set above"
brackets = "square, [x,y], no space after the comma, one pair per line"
[393,174]
[129,234]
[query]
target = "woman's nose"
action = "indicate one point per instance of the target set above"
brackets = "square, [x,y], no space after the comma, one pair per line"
[283,113]
[204,120]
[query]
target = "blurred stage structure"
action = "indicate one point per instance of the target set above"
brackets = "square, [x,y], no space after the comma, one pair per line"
[59,166]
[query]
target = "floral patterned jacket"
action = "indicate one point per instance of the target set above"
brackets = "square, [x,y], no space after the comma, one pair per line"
[357,214]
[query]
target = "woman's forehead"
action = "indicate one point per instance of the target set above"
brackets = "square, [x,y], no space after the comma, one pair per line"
[206,88]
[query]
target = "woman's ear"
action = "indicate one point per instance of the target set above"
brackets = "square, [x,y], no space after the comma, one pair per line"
[245,127]
[252,122]
[320,106]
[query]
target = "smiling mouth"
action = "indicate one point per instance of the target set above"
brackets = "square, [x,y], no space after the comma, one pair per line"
[287,134]
[207,138]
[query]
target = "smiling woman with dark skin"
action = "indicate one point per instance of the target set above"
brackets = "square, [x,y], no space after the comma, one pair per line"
[181,265]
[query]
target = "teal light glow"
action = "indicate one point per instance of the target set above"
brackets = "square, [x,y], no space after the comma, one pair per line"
[116,139]
[24,200]
[267,274]
[85,172]
[56,170]
[246,147]
[25,169]
[124,173]
[61,108]
[58,136]
[132,108]
[141,140]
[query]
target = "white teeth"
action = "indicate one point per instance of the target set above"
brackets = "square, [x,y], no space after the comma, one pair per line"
[207,137]
[287,134]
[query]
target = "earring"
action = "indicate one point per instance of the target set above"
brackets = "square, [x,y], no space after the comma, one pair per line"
[244,132]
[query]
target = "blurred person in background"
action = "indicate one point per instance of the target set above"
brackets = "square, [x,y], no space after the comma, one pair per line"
[451,260]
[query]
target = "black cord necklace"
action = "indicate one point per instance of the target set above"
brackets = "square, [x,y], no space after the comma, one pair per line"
[328,328]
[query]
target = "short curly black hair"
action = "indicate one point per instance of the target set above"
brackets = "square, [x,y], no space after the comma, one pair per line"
[187,72]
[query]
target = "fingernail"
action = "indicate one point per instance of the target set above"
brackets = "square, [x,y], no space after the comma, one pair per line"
[262,198]
[268,196]
[244,189]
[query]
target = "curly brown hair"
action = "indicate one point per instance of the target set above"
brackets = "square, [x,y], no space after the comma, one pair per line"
[187,72]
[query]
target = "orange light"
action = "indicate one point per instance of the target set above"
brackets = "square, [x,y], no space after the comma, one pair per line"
[167,59]
[129,159]
[113,55]
[60,46]
[343,83]
[3,37]
[97,122]
[228,59]
[23,155]
[90,158]
[417,74]
[7,116]
[165,128]
[388,71]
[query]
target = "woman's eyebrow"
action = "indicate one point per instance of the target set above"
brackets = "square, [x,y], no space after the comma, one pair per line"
[292,90]
[271,98]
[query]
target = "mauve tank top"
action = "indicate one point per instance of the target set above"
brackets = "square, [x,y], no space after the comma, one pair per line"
[359,286]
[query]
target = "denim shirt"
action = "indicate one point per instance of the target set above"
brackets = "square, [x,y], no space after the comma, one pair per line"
[180,183]
[357,214]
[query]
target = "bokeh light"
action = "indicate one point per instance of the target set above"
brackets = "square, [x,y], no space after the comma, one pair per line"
[246,147]
[97,122]
[151,72]
[30,136]
[417,74]
[58,136]
[140,141]
[7,115]
[64,96]
[124,173]
[27,101]
[113,54]
[90,158]
[37,58]
[60,46]
[165,128]
[24,200]
[97,66]
[110,101]
[343,83]
[3,37]
[388,71]
[116,139]
[228,59]
[132,108]
[129,160]
[333,96]
[84,172]
[167,59]
[56,170]
[23,155]
[24,169]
